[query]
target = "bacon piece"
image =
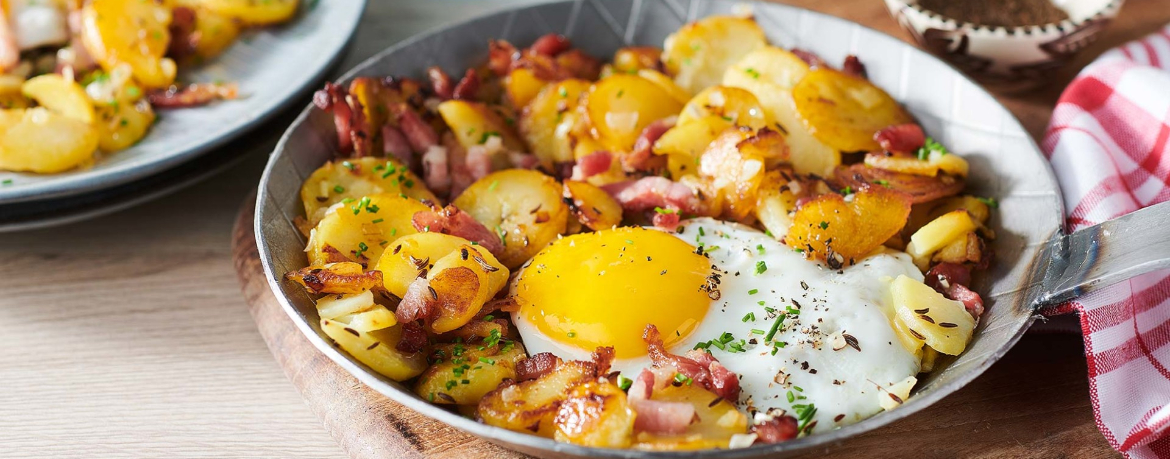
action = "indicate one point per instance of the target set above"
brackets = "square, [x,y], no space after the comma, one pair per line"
[602,358]
[902,138]
[642,387]
[451,220]
[951,280]
[667,221]
[419,134]
[550,44]
[440,82]
[809,57]
[417,303]
[182,28]
[648,193]
[461,176]
[563,170]
[642,157]
[661,417]
[776,430]
[478,161]
[192,95]
[701,367]
[522,160]
[414,338]
[9,50]
[467,86]
[853,66]
[536,366]
[920,188]
[592,164]
[435,170]
[394,144]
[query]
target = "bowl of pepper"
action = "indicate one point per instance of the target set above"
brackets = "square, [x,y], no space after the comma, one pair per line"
[1006,44]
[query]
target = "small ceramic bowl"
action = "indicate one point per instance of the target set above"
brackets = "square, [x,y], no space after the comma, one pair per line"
[1007,57]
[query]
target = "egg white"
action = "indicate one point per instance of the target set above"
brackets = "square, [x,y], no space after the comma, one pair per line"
[844,384]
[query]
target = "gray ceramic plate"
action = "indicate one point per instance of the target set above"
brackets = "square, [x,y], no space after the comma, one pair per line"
[272,66]
[1035,261]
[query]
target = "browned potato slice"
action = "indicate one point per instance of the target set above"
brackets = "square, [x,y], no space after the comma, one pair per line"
[635,58]
[595,414]
[359,230]
[464,374]
[775,204]
[620,106]
[718,421]
[524,207]
[521,86]
[734,105]
[353,178]
[530,406]
[845,111]
[463,281]
[684,144]
[132,33]
[377,349]
[668,85]
[966,249]
[944,324]
[770,73]
[336,278]
[408,256]
[838,232]
[698,53]
[593,206]
[547,121]
[734,166]
[473,123]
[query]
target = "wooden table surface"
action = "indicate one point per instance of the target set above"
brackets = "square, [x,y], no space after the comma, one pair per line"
[126,336]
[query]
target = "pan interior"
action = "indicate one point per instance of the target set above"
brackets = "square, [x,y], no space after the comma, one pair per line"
[1005,164]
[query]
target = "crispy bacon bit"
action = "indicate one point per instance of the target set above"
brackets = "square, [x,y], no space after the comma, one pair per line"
[920,188]
[902,138]
[550,44]
[344,278]
[440,82]
[661,417]
[701,367]
[776,430]
[642,387]
[649,193]
[395,145]
[451,220]
[642,158]
[563,170]
[467,86]
[853,66]
[417,303]
[602,358]
[809,57]
[183,36]
[667,221]
[951,280]
[192,95]
[419,134]
[592,164]
[414,338]
[501,54]
[435,169]
[536,366]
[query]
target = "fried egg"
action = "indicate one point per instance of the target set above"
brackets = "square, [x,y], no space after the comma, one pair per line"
[725,288]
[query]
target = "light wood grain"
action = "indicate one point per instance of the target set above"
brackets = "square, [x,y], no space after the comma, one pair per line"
[126,336]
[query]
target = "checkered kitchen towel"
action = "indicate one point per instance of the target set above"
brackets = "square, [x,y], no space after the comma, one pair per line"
[1109,143]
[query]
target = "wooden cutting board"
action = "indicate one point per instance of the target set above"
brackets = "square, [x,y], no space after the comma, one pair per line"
[1034,403]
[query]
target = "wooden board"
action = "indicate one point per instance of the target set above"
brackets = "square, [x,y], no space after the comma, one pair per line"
[1034,403]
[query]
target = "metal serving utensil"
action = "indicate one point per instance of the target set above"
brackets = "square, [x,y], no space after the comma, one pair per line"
[1037,264]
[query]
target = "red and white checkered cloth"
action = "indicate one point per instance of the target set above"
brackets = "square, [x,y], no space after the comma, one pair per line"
[1109,143]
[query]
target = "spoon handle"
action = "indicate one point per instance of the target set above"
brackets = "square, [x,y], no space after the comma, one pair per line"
[1101,255]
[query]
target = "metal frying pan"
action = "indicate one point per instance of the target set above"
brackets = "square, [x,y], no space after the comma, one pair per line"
[1037,263]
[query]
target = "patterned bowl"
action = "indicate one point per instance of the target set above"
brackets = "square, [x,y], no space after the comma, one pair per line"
[1007,58]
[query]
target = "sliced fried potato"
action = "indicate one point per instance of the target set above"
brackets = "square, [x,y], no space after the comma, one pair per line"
[838,232]
[966,249]
[215,31]
[621,106]
[462,281]
[376,318]
[770,73]
[337,181]
[254,12]
[774,205]
[936,161]
[667,84]
[735,105]
[596,414]
[525,207]
[937,234]
[131,32]
[718,421]
[521,85]
[530,406]
[698,53]
[473,123]
[547,121]
[121,125]
[412,255]
[734,167]
[338,305]
[635,58]
[60,95]
[592,206]
[845,111]
[684,144]
[464,374]
[944,325]
[359,230]
[377,349]
[42,141]
[342,278]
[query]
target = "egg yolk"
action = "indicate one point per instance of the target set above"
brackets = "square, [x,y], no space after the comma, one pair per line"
[603,288]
